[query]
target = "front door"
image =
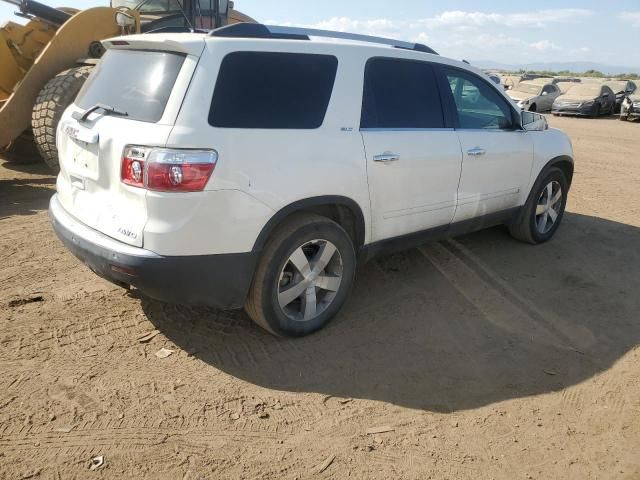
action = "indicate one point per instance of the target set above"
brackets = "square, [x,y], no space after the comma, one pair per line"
[549,95]
[497,153]
[413,161]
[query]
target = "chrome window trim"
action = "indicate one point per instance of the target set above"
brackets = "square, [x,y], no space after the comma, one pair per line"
[494,130]
[498,130]
[372,129]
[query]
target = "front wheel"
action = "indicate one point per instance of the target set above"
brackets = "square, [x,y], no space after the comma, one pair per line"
[543,212]
[303,277]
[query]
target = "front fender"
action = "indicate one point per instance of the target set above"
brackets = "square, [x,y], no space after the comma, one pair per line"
[550,147]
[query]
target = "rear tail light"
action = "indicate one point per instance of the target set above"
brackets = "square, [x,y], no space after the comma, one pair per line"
[167,170]
[132,170]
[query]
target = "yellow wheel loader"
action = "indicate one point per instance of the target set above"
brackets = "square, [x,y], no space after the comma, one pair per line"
[44,63]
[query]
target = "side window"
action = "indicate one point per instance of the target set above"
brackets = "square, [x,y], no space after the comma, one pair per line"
[273,90]
[549,89]
[479,106]
[400,94]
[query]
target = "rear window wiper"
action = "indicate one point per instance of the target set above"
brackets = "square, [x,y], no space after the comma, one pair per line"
[98,106]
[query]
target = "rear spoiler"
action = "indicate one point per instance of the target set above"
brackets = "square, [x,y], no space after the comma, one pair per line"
[186,45]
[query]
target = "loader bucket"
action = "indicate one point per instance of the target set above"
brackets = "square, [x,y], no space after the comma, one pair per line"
[69,44]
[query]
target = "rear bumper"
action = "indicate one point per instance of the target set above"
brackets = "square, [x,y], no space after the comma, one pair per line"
[221,281]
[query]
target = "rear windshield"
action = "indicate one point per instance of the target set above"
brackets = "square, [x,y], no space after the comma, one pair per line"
[273,90]
[133,81]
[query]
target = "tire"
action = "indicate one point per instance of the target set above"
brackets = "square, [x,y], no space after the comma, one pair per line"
[52,101]
[533,108]
[21,151]
[528,226]
[309,235]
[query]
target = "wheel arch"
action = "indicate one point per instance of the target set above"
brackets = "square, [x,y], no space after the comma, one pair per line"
[343,210]
[564,163]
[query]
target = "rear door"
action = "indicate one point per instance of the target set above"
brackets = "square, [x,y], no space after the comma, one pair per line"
[413,158]
[139,92]
[497,153]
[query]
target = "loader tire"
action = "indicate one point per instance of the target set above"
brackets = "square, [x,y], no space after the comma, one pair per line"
[52,101]
[21,151]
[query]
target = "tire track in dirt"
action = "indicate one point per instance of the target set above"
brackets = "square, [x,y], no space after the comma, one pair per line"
[498,301]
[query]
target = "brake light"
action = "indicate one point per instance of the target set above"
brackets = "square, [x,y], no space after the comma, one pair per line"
[132,170]
[167,170]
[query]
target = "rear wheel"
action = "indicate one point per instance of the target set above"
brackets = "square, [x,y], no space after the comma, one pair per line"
[51,103]
[304,276]
[543,212]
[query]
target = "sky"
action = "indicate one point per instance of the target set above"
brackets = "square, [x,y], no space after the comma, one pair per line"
[512,32]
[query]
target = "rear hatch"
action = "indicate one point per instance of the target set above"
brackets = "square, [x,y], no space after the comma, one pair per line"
[132,98]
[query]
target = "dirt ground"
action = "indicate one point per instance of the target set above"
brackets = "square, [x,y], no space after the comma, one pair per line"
[478,357]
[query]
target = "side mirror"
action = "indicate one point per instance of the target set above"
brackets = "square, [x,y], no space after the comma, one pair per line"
[545,93]
[533,122]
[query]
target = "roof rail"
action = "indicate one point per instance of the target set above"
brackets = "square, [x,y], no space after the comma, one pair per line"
[257,30]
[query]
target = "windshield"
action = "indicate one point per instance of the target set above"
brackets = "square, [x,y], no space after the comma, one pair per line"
[159,6]
[585,90]
[132,81]
[528,88]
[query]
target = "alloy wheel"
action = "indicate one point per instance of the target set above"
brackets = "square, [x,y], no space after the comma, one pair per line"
[310,280]
[549,207]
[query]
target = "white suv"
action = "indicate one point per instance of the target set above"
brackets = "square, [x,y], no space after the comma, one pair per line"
[255,166]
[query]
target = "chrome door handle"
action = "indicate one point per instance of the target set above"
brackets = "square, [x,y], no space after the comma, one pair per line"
[476,152]
[386,157]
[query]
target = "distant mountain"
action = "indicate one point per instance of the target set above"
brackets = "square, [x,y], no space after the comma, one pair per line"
[558,66]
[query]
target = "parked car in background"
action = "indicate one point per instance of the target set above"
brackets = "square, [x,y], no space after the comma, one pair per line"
[593,80]
[495,78]
[630,108]
[564,85]
[535,95]
[586,99]
[559,79]
[511,81]
[181,186]
[535,76]
[621,89]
